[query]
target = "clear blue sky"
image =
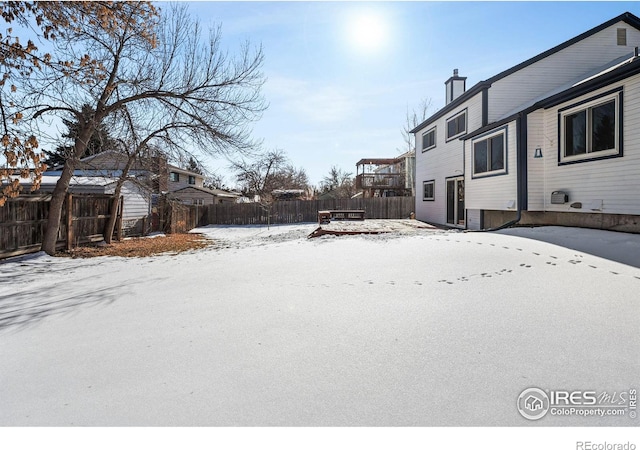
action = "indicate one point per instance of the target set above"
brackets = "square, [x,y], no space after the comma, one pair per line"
[341,75]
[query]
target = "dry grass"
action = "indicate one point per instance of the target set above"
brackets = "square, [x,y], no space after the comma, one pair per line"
[140,247]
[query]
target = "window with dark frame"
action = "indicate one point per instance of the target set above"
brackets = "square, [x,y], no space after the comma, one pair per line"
[590,131]
[174,176]
[192,179]
[428,190]
[489,154]
[429,139]
[457,125]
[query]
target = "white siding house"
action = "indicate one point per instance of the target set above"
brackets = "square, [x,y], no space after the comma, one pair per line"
[553,140]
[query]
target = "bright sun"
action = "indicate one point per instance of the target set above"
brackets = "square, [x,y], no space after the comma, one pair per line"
[368,32]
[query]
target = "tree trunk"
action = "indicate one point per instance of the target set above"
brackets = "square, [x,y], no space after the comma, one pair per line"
[55,208]
[111,223]
[60,192]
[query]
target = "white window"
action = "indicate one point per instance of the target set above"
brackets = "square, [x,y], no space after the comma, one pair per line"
[428,190]
[429,139]
[198,201]
[591,129]
[457,125]
[489,154]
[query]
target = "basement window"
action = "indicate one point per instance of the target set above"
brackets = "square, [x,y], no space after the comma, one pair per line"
[428,190]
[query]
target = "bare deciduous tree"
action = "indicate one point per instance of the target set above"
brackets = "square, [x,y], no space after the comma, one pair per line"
[338,183]
[25,66]
[254,175]
[412,120]
[159,75]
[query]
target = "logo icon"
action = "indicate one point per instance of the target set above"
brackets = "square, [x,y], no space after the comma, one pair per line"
[533,403]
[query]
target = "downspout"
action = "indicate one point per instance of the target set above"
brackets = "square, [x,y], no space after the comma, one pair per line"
[521,172]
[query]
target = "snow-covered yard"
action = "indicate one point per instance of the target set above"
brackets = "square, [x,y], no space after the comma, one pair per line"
[265,327]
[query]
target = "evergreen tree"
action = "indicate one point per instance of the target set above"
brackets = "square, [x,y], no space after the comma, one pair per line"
[99,142]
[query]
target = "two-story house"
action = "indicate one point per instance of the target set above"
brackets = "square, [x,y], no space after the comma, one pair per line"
[551,140]
[188,188]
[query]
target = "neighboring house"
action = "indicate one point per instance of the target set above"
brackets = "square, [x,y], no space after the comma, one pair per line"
[188,188]
[386,177]
[181,178]
[162,178]
[192,195]
[552,140]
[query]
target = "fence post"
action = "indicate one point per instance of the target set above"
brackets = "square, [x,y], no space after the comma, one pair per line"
[120,212]
[69,220]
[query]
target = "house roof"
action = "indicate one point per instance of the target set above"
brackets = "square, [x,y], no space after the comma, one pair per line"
[173,168]
[381,161]
[626,17]
[375,161]
[214,192]
[50,181]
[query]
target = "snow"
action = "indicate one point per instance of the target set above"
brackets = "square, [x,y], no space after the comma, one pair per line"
[415,327]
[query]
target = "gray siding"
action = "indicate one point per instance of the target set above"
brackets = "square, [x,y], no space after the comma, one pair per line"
[444,161]
[535,166]
[614,181]
[137,201]
[558,69]
[493,192]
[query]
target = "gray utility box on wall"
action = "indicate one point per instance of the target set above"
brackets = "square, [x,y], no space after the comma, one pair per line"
[559,197]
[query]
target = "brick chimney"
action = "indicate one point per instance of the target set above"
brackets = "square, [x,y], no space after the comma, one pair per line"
[160,169]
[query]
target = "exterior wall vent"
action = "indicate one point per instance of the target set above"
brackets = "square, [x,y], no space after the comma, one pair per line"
[559,197]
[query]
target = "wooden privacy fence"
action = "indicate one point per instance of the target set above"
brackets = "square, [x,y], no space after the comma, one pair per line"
[180,218]
[307,210]
[23,221]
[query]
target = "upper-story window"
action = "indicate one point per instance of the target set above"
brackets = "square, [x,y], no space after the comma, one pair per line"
[192,179]
[591,129]
[429,139]
[490,154]
[174,176]
[457,125]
